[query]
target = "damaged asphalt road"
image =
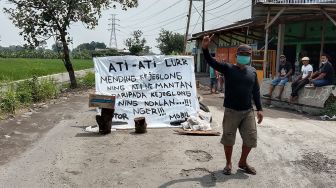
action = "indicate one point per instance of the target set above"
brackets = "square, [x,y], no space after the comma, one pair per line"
[48,148]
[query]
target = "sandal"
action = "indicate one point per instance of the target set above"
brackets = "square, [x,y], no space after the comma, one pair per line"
[227,171]
[248,169]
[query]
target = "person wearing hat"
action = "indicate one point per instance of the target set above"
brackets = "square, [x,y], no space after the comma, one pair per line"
[284,73]
[303,79]
[242,86]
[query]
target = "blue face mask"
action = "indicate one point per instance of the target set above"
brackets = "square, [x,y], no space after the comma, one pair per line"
[243,60]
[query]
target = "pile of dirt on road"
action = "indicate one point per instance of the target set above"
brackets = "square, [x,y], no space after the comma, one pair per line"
[318,163]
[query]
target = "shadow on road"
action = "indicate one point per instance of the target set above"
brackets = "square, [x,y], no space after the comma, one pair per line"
[81,135]
[79,127]
[209,180]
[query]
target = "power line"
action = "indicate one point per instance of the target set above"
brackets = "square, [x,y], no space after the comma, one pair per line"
[164,21]
[218,17]
[197,10]
[243,3]
[196,24]
[220,5]
[179,15]
[159,12]
[145,9]
[175,18]
[229,12]
[214,18]
[173,21]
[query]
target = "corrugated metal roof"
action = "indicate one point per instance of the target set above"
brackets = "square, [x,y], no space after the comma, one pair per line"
[237,25]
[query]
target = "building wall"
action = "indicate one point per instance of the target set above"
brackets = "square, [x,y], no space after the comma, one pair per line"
[305,38]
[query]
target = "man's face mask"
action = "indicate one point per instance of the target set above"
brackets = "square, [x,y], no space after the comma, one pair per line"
[243,60]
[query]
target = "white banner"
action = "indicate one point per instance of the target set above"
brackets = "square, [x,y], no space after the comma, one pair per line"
[160,88]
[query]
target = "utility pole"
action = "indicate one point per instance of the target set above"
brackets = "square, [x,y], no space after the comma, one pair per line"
[203,22]
[188,25]
[113,35]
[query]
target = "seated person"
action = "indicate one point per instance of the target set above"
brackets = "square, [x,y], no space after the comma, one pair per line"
[303,79]
[326,74]
[285,72]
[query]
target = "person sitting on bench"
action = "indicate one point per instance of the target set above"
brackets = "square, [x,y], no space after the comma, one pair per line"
[285,72]
[302,80]
[326,74]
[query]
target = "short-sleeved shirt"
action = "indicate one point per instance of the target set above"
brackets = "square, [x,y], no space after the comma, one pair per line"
[306,69]
[329,70]
[284,68]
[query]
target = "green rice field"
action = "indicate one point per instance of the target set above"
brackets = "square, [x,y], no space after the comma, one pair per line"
[12,69]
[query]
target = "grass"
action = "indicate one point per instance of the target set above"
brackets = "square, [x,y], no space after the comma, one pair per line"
[88,81]
[32,90]
[12,69]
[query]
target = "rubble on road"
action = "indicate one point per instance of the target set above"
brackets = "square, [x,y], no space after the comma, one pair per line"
[328,118]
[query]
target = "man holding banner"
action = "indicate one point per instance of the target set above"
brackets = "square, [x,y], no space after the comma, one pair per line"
[241,85]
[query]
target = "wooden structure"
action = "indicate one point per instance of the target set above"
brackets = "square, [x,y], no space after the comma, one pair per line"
[228,38]
[107,104]
[282,12]
[291,27]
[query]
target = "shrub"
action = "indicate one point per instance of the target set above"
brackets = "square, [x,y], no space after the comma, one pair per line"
[8,101]
[330,109]
[34,85]
[24,93]
[88,80]
[47,89]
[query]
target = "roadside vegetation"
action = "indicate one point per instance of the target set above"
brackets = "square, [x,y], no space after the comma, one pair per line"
[32,91]
[330,108]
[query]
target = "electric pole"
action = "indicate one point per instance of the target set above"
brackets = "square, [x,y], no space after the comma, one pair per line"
[188,24]
[203,22]
[113,36]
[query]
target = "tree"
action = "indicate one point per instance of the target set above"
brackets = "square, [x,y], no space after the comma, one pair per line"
[136,45]
[98,45]
[91,46]
[169,42]
[57,47]
[40,20]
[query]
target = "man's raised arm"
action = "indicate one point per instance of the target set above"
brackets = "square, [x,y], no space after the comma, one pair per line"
[220,67]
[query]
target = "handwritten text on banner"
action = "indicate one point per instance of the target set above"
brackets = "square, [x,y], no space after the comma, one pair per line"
[160,88]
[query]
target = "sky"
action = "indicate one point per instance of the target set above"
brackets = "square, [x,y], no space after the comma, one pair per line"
[149,17]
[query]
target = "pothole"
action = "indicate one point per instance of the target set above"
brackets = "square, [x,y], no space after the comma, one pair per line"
[203,173]
[317,163]
[199,155]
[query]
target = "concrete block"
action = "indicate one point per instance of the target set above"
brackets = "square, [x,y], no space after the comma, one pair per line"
[310,100]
